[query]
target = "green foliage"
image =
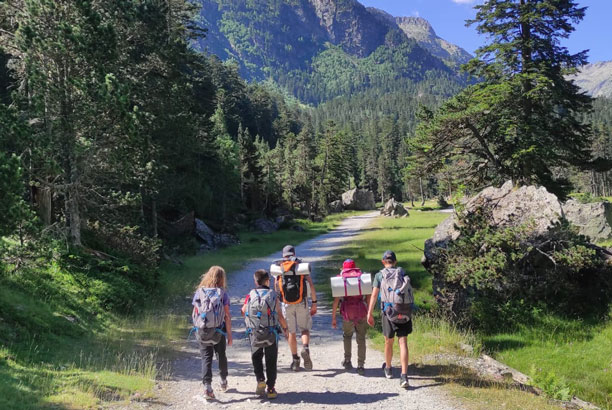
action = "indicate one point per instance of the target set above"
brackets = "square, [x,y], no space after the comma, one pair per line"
[505,274]
[525,118]
[553,386]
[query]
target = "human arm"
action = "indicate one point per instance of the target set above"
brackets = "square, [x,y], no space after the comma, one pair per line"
[228,325]
[281,317]
[334,309]
[372,302]
[313,296]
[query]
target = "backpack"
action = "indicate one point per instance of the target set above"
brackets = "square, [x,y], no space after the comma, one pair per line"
[290,284]
[352,307]
[208,315]
[396,295]
[260,318]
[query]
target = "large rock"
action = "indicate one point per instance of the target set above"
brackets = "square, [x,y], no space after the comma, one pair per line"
[335,207]
[204,233]
[593,220]
[265,225]
[358,200]
[394,208]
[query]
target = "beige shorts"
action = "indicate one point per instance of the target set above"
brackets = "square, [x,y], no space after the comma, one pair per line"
[298,317]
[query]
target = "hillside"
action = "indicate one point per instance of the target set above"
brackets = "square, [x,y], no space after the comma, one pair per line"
[596,79]
[321,49]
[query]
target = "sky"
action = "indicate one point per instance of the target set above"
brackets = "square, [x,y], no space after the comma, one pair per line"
[448,17]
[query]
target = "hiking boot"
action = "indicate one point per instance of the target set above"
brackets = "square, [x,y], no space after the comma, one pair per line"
[295,365]
[261,388]
[347,364]
[223,385]
[271,393]
[388,371]
[404,381]
[360,371]
[209,394]
[307,361]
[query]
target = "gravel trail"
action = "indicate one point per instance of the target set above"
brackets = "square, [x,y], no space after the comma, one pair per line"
[327,386]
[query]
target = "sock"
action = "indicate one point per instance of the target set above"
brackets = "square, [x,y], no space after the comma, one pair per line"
[306,347]
[296,357]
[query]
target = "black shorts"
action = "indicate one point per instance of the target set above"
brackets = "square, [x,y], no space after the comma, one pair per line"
[390,330]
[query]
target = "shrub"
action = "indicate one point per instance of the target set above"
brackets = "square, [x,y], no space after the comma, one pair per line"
[501,274]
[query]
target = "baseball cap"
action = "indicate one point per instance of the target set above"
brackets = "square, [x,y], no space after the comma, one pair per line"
[348,264]
[389,256]
[288,250]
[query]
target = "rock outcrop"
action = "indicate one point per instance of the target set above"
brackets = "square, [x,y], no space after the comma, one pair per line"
[265,225]
[212,240]
[358,200]
[394,208]
[335,207]
[593,219]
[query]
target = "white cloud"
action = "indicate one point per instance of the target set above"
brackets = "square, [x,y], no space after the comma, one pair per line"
[416,13]
[464,1]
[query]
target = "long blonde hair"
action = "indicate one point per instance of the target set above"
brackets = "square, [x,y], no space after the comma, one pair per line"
[214,278]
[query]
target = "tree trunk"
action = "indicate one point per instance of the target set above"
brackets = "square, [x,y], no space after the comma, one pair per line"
[422,194]
[154,217]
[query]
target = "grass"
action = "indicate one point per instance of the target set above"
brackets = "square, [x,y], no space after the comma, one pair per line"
[431,336]
[59,350]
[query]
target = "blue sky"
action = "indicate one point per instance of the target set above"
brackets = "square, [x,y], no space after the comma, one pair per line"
[448,19]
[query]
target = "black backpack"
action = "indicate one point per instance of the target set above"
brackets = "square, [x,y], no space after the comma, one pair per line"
[292,287]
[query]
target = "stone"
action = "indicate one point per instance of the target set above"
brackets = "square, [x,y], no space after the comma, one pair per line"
[593,219]
[394,209]
[204,233]
[335,207]
[358,200]
[282,219]
[223,240]
[265,225]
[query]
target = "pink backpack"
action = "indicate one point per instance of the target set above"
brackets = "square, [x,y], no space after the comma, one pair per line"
[352,307]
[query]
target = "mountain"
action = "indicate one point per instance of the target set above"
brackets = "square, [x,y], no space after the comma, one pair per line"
[320,49]
[421,30]
[596,79]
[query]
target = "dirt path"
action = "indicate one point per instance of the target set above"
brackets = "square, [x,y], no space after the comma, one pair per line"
[328,386]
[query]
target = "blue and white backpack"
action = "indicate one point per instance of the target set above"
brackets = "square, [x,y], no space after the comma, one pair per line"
[260,318]
[209,315]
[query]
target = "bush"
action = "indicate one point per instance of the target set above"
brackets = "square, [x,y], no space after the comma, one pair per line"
[501,274]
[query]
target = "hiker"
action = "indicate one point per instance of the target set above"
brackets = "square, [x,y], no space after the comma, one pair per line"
[354,310]
[211,319]
[262,314]
[293,293]
[396,301]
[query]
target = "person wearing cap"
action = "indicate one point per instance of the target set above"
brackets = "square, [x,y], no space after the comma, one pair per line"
[297,314]
[354,311]
[391,329]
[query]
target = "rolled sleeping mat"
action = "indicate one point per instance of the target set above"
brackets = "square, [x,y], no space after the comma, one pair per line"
[351,286]
[302,269]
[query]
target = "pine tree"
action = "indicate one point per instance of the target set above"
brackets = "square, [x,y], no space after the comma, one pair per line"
[525,118]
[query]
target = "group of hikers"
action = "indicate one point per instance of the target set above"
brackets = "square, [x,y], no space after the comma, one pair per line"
[282,307]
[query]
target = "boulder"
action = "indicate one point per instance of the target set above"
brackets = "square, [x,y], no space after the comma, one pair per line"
[223,240]
[283,219]
[394,208]
[335,207]
[593,220]
[265,225]
[204,233]
[358,200]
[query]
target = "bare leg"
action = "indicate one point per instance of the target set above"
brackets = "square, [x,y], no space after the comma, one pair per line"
[403,346]
[388,351]
[305,338]
[293,343]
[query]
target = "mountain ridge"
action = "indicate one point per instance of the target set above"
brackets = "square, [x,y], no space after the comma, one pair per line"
[595,79]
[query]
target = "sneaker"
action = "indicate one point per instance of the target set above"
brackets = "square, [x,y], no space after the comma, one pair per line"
[271,393]
[404,381]
[261,388]
[388,371]
[209,394]
[307,361]
[295,365]
[347,364]
[360,371]
[223,385]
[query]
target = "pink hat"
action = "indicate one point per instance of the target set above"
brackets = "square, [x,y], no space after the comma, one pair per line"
[349,264]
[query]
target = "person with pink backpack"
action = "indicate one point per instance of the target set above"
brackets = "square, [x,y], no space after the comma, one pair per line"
[354,311]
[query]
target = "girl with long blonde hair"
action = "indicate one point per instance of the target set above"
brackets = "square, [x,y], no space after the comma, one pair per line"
[212,292]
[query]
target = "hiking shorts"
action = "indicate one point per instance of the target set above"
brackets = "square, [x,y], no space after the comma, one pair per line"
[390,329]
[298,317]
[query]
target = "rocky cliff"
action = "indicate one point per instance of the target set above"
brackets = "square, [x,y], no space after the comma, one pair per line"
[596,79]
